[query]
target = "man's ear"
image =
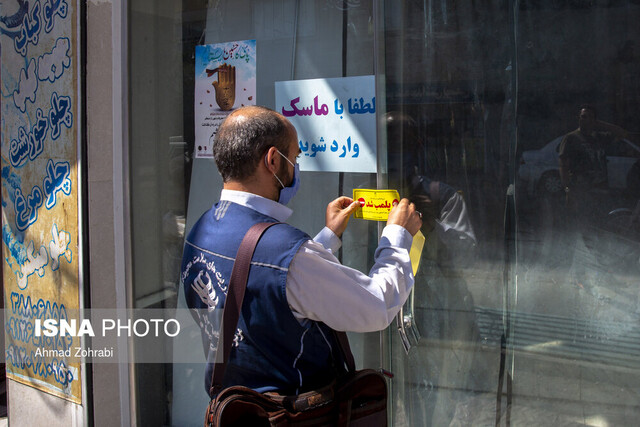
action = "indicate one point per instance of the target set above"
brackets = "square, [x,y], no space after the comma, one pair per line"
[272,160]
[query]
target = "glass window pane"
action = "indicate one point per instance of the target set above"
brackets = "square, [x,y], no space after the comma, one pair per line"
[576,313]
[450,129]
[159,175]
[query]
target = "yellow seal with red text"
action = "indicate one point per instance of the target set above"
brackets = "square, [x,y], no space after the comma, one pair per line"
[375,205]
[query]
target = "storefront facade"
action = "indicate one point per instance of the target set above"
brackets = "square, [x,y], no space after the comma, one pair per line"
[525,310]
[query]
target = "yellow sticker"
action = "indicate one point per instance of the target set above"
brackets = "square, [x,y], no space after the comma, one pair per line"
[416,251]
[375,205]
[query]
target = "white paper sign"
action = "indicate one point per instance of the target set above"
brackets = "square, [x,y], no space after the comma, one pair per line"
[336,122]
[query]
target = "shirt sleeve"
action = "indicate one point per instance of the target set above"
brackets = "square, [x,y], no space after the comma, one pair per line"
[320,288]
[328,239]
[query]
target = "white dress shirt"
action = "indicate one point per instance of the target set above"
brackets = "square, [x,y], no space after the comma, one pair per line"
[320,288]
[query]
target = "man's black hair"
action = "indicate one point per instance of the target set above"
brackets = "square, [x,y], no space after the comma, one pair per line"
[243,140]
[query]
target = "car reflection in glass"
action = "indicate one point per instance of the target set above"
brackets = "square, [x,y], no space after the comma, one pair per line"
[539,169]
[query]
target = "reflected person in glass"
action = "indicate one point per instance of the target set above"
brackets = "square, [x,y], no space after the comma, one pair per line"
[583,165]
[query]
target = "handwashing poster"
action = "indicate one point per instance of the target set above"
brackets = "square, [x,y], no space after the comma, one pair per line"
[225,80]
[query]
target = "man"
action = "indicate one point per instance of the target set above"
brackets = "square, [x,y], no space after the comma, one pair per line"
[583,166]
[297,289]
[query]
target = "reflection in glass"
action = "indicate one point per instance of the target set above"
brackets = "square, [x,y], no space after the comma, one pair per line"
[537,323]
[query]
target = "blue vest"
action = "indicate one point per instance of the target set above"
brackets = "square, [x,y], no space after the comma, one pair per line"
[272,350]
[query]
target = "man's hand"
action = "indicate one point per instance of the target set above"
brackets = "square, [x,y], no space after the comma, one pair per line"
[429,210]
[338,213]
[406,215]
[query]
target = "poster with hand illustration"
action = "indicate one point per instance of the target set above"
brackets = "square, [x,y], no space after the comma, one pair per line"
[225,80]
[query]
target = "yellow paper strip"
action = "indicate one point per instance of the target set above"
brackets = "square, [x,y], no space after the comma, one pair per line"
[416,251]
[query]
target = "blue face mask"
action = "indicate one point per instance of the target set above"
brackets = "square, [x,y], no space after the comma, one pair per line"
[287,193]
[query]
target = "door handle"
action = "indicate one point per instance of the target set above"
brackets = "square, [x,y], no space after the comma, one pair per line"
[402,330]
[409,334]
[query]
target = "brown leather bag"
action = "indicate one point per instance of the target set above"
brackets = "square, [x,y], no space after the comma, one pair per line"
[359,398]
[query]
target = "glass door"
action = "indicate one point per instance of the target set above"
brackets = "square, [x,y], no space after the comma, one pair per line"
[525,308]
[450,126]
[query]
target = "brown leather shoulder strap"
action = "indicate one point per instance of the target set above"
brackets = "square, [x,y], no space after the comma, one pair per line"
[343,340]
[233,302]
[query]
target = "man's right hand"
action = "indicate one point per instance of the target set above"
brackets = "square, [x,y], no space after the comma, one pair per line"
[405,215]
